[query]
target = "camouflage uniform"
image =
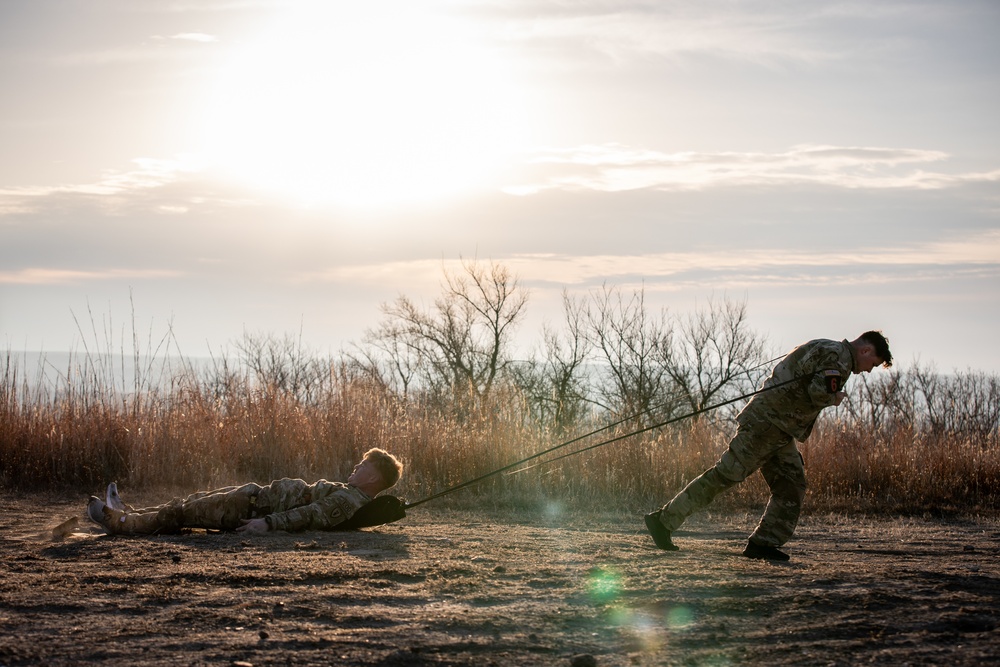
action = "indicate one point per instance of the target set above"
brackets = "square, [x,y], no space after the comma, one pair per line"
[768,427]
[286,504]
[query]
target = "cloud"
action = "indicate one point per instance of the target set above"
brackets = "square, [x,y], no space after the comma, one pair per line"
[212,6]
[195,37]
[614,168]
[47,276]
[148,174]
[158,47]
[151,173]
[628,35]
[768,34]
[420,273]
[973,255]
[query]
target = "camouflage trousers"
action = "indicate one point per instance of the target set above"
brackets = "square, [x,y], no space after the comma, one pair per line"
[220,509]
[758,445]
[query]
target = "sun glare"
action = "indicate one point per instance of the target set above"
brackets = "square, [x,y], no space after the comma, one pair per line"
[367,104]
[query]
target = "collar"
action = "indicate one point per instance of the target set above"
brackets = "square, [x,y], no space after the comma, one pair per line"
[854,355]
[359,490]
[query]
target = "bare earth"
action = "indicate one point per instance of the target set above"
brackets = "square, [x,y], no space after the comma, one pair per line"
[455,588]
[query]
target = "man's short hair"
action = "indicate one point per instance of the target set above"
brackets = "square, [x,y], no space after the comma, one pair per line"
[388,466]
[881,344]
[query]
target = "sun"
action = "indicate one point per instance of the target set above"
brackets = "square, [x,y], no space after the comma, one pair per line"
[366,104]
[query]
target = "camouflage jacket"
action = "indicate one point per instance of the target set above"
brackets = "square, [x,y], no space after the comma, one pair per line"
[794,407]
[296,505]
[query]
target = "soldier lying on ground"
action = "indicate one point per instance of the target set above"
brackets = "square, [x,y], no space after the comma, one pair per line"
[768,427]
[284,504]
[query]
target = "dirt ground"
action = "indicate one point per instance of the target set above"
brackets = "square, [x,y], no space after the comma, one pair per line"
[444,587]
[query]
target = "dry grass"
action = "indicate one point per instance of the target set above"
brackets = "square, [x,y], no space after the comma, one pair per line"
[198,430]
[902,470]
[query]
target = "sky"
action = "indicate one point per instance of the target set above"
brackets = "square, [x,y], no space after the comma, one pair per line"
[204,169]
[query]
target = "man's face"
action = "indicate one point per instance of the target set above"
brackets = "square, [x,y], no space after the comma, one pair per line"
[364,473]
[868,359]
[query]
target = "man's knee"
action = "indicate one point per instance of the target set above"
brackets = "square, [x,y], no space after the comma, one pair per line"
[710,483]
[793,492]
[171,517]
[730,469]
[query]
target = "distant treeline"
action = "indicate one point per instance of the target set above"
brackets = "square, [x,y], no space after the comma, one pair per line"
[442,388]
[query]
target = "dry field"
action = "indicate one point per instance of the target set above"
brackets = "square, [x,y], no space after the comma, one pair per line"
[444,587]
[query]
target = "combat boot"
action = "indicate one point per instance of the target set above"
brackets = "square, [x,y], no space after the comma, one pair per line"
[659,532]
[764,552]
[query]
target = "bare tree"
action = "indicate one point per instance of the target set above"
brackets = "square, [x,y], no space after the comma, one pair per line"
[930,387]
[872,403]
[283,364]
[906,403]
[959,405]
[388,358]
[715,355]
[634,347]
[462,344]
[963,403]
[975,401]
[556,384]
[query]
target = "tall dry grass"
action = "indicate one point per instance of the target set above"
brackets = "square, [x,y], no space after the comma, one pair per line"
[901,470]
[88,424]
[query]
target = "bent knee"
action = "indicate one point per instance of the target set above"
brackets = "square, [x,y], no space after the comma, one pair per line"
[730,469]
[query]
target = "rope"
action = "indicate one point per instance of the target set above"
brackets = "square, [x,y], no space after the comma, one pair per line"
[599,444]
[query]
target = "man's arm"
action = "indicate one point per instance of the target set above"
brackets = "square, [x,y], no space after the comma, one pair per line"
[825,356]
[323,514]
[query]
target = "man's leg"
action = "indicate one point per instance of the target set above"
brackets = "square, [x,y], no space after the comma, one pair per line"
[221,509]
[731,469]
[726,473]
[786,477]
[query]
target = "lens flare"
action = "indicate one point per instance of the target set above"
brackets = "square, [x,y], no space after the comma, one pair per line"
[680,619]
[604,585]
[554,510]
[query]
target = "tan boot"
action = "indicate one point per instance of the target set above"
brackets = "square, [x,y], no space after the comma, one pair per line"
[114,501]
[104,516]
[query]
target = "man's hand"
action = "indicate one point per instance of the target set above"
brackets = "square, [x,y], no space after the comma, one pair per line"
[839,397]
[254,526]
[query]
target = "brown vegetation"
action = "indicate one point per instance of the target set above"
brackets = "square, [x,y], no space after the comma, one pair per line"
[442,390]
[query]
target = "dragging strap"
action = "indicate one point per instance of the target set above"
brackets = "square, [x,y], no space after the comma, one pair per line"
[381,510]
